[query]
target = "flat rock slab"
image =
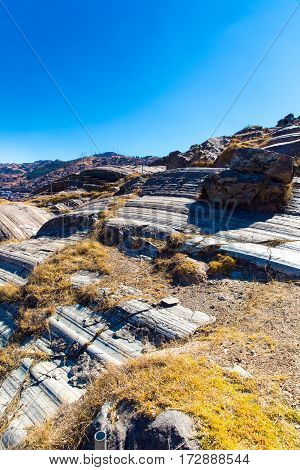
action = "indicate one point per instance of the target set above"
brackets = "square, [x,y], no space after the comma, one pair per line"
[8,277]
[41,390]
[123,333]
[152,216]
[21,221]
[84,279]
[21,258]
[82,220]
[283,259]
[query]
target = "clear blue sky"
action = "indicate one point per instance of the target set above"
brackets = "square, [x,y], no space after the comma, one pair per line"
[145,76]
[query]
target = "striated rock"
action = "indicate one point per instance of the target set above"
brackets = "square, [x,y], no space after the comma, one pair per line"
[106,173]
[177,183]
[20,221]
[286,140]
[79,342]
[81,220]
[8,315]
[83,279]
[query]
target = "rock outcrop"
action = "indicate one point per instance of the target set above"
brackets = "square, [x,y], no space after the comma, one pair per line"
[257,179]
[286,140]
[90,180]
[177,183]
[21,221]
[80,342]
[170,430]
[202,155]
[80,221]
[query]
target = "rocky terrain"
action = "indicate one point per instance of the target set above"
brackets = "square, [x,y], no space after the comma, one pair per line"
[161,307]
[20,180]
[283,138]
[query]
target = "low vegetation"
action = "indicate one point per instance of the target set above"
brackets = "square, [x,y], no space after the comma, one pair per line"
[10,293]
[52,199]
[49,286]
[221,264]
[229,411]
[225,158]
[182,269]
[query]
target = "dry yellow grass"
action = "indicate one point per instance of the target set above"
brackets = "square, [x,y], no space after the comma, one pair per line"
[221,264]
[228,410]
[235,143]
[49,285]
[4,201]
[181,269]
[10,293]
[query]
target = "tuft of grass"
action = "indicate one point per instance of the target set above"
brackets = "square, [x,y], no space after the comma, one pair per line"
[221,264]
[49,285]
[10,293]
[228,410]
[225,157]
[182,269]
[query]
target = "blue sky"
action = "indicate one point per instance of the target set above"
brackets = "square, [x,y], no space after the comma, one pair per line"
[145,76]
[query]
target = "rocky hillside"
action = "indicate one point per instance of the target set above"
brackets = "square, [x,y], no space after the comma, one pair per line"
[163,311]
[283,138]
[20,180]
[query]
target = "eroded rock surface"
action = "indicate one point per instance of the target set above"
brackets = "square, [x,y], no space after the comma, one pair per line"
[21,221]
[81,220]
[79,343]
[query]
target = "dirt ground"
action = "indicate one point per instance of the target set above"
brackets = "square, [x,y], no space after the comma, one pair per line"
[257,323]
[257,327]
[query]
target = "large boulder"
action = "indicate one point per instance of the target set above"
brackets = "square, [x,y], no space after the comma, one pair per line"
[244,190]
[105,174]
[255,160]
[289,119]
[171,429]
[126,429]
[257,180]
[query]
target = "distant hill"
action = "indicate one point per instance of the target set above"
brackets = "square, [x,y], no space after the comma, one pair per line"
[23,178]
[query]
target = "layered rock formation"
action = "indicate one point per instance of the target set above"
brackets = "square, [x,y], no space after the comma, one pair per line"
[81,220]
[20,221]
[127,332]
